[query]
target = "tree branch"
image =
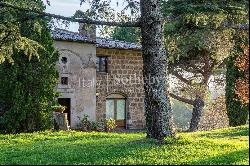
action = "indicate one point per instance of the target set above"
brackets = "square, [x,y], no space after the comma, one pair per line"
[171,18]
[180,77]
[86,21]
[96,22]
[4,38]
[182,99]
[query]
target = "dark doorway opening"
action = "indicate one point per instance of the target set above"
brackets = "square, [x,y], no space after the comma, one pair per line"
[65,102]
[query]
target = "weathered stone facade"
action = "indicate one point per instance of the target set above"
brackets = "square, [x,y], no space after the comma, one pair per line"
[124,77]
[77,63]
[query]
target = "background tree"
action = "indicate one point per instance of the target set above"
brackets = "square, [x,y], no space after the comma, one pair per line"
[27,85]
[237,86]
[199,39]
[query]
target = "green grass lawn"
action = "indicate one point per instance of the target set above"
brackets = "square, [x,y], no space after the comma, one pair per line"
[226,146]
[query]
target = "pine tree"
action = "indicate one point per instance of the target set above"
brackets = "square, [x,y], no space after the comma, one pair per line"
[27,85]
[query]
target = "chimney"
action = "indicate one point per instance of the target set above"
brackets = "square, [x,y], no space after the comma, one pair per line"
[88,30]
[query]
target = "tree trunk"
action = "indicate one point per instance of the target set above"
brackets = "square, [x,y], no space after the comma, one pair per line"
[157,107]
[196,115]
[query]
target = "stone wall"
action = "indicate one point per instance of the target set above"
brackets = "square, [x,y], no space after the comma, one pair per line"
[81,72]
[124,77]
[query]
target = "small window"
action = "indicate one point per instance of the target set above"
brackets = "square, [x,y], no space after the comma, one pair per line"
[64,80]
[102,64]
[64,60]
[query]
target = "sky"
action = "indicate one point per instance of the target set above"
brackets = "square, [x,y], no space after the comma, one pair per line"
[68,8]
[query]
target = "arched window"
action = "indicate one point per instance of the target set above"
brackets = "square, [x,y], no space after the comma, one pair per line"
[116,109]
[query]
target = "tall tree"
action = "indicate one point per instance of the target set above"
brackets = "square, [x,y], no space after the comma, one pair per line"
[157,108]
[27,85]
[237,85]
[199,39]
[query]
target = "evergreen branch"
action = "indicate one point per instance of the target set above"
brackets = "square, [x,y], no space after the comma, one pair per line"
[226,25]
[80,20]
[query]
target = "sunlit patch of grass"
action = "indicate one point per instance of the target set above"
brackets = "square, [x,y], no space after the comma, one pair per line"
[224,146]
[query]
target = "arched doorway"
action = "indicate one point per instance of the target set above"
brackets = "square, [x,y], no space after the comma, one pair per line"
[116,109]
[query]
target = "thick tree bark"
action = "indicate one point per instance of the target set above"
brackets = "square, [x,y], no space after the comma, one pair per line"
[157,106]
[196,115]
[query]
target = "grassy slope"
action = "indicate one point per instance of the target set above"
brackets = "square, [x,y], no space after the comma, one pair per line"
[226,146]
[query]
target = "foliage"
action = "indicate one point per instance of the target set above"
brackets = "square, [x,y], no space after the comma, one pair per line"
[201,24]
[110,124]
[237,87]
[11,38]
[126,34]
[103,125]
[58,107]
[242,84]
[103,10]
[27,86]
[199,38]
[85,123]
[214,115]
[219,147]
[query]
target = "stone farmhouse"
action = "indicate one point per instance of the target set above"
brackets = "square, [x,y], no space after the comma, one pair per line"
[100,78]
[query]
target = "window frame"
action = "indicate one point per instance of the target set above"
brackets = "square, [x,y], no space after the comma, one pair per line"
[115,107]
[98,64]
[66,80]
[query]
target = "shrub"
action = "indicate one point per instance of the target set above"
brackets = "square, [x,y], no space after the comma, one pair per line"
[103,125]
[85,123]
[110,124]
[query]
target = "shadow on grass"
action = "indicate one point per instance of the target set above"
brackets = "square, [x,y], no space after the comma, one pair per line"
[225,159]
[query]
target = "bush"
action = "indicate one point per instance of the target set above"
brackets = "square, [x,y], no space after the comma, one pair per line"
[103,125]
[110,124]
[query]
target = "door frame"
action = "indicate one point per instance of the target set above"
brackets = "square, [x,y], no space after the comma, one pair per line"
[69,110]
[115,109]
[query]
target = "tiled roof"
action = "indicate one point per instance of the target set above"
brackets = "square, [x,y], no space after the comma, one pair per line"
[61,34]
[107,43]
